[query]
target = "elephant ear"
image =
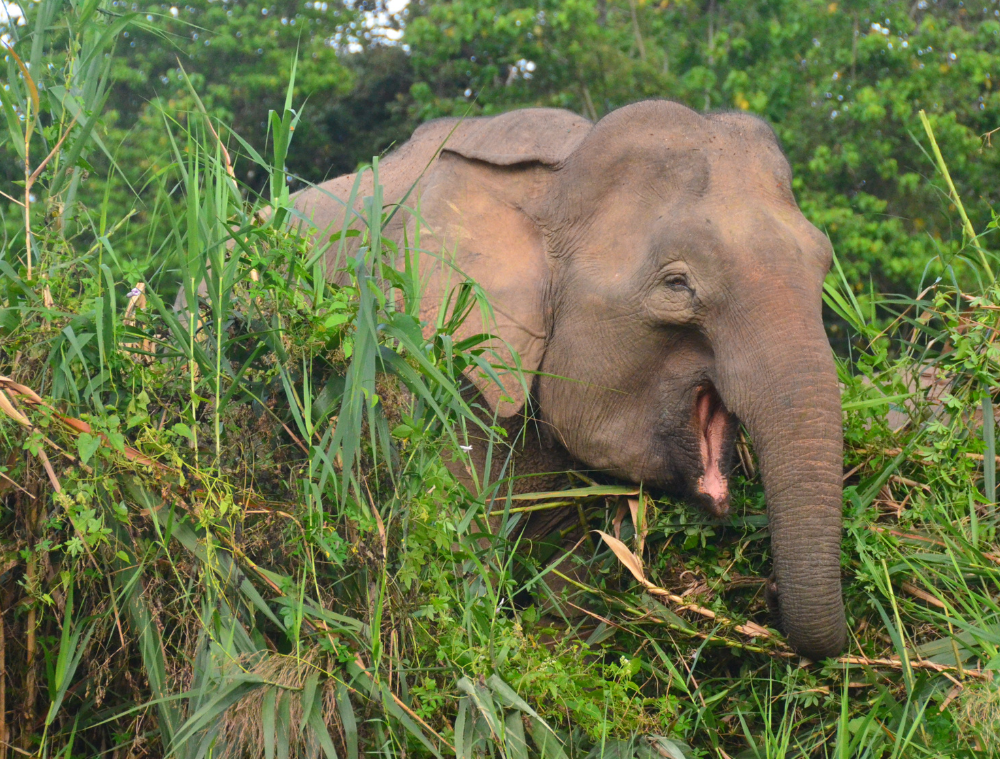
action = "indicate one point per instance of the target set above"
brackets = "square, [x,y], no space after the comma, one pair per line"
[533,135]
[485,206]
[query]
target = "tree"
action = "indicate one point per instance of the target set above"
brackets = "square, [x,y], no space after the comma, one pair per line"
[841,82]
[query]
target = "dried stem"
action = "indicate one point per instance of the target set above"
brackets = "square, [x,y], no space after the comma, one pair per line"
[31,643]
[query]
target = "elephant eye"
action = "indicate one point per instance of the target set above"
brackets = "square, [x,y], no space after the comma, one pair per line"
[676,282]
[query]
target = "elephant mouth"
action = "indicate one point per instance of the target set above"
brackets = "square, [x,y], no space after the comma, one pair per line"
[712,422]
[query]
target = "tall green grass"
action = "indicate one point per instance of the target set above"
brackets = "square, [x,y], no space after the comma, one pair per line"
[232,531]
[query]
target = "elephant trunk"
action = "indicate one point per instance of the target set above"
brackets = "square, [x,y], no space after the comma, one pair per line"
[779,378]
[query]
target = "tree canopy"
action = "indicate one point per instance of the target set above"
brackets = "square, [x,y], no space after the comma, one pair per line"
[841,82]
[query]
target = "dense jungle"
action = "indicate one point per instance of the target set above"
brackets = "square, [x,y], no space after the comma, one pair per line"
[238,532]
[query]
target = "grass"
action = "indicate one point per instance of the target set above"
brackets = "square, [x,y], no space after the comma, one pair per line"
[242,540]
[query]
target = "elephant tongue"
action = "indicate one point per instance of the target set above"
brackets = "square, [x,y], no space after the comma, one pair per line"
[712,420]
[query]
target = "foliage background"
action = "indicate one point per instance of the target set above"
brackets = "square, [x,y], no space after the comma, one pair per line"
[840,81]
[372,602]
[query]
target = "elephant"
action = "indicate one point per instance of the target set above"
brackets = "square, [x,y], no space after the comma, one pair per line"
[660,286]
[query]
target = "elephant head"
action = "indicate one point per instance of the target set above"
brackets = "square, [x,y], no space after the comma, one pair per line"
[655,275]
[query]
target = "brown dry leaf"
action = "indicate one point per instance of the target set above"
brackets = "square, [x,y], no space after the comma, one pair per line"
[896,663]
[633,565]
[753,630]
[619,517]
[10,483]
[745,456]
[49,470]
[7,406]
[952,695]
[20,389]
[639,521]
[923,595]
[381,532]
[77,425]
[630,561]
[133,455]
[136,300]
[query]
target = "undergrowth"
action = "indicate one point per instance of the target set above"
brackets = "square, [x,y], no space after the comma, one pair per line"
[235,531]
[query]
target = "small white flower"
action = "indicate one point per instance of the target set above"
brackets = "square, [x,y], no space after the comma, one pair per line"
[466,448]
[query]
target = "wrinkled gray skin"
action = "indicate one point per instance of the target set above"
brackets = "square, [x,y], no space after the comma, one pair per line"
[656,272]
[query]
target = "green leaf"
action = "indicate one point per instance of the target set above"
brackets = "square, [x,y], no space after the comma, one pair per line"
[669,748]
[321,733]
[308,699]
[548,743]
[873,402]
[348,721]
[402,431]
[86,446]
[183,430]
[587,492]
[267,721]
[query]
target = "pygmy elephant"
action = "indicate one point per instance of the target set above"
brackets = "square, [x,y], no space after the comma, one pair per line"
[660,285]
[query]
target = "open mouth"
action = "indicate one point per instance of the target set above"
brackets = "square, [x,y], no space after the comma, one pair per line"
[712,420]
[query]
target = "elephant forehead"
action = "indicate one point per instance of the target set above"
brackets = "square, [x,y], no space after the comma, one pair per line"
[621,187]
[629,178]
[662,132]
[746,240]
[749,159]
[750,179]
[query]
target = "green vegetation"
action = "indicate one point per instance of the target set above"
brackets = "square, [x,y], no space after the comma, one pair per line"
[842,82]
[243,540]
